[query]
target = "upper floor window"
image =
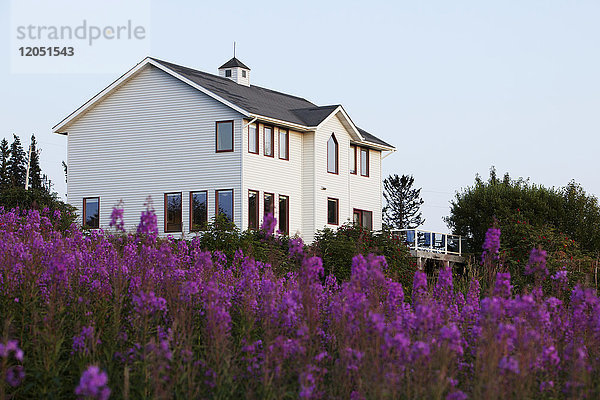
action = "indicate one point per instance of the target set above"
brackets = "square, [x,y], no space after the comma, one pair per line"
[332,211]
[228,73]
[269,141]
[252,209]
[353,160]
[284,144]
[173,212]
[224,133]
[224,203]
[332,155]
[198,211]
[364,162]
[253,138]
[243,73]
[91,212]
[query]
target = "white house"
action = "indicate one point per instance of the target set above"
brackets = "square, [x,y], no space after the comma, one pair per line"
[197,143]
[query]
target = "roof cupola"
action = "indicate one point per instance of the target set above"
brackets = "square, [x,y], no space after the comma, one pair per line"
[235,70]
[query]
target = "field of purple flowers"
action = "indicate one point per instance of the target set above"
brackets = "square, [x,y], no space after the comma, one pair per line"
[93,315]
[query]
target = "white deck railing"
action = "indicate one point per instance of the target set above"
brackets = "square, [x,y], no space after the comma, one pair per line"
[436,242]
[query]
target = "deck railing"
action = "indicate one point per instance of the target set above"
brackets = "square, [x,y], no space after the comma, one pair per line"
[436,242]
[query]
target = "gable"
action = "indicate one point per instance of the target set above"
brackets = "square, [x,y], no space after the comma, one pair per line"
[123,81]
[151,96]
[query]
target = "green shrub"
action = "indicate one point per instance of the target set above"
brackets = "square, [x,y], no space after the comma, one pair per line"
[338,247]
[37,199]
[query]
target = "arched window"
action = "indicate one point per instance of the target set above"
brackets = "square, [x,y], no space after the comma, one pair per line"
[332,155]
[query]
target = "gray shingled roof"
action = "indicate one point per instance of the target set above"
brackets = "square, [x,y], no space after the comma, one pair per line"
[261,101]
[234,62]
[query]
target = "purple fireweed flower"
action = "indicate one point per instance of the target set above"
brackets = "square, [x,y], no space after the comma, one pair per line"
[116,218]
[550,357]
[443,289]
[268,225]
[537,263]
[148,224]
[355,395]
[503,287]
[451,335]
[457,395]
[491,244]
[12,346]
[15,375]
[81,341]
[420,350]
[148,303]
[308,387]
[419,284]
[296,247]
[546,385]
[510,364]
[93,384]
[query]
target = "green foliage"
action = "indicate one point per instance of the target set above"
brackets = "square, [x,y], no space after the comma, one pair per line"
[402,203]
[225,236]
[4,157]
[337,248]
[520,236]
[37,199]
[35,171]
[569,210]
[17,163]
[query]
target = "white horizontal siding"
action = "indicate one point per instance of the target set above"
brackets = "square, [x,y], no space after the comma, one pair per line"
[274,175]
[154,135]
[366,192]
[336,185]
[308,186]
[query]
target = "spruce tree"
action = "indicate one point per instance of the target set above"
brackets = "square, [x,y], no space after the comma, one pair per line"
[17,164]
[403,203]
[35,172]
[4,156]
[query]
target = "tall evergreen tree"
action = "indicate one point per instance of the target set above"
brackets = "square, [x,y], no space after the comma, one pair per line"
[35,172]
[403,203]
[4,156]
[17,164]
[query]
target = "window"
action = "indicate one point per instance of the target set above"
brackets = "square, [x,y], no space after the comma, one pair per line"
[364,162]
[284,144]
[198,211]
[224,136]
[269,204]
[172,212]
[353,160]
[224,203]
[332,155]
[252,139]
[363,218]
[243,73]
[332,211]
[284,214]
[91,212]
[269,141]
[252,209]
[228,73]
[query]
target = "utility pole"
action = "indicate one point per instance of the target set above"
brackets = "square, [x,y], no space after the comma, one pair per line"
[28,165]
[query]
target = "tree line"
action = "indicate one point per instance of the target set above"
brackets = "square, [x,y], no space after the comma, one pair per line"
[14,165]
[27,189]
[505,202]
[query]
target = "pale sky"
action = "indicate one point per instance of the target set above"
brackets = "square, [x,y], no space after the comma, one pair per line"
[456,86]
